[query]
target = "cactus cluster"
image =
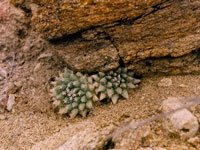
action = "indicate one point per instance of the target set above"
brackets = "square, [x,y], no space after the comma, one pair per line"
[76,93]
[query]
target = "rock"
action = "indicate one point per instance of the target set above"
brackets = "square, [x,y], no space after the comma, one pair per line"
[18,84]
[2,117]
[183,86]
[37,68]
[147,148]
[159,148]
[3,73]
[194,140]
[133,138]
[82,140]
[87,135]
[88,57]
[166,82]
[11,102]
[11,26]
[33,45]
[1,78]
[154,36]
[84,14]
[182,122]
[3,100]
[9,88]
[82,136]
[49,55]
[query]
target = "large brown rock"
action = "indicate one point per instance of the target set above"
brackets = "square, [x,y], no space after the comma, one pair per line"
[160,36]
[57,18]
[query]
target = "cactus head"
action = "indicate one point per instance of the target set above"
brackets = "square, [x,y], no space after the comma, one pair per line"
[114,84]
[72,94]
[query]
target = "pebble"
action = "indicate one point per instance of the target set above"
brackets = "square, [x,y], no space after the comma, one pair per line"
[183,86]
[159,148]
[3,73]
[11,102]
[9,88]
[18,84]
[3,100]
[147,148]
[182,122]
[194,140]
[48,55]
[166,82]
[1,78]
[37,68]
[2,117]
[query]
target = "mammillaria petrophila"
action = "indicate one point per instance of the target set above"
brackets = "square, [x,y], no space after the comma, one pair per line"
[75,93]
[114,84]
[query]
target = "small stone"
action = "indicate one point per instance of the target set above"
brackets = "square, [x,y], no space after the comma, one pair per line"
[3,100]
[2,117]
[159,148]
[18,84]
[183,85]
[37,68]
[194,140]
[183,147]
[2,110]
[145,142]
[147,148]
[3,73]
[182,122]
[48,55]
[11,102]
[165,82]
[9,88]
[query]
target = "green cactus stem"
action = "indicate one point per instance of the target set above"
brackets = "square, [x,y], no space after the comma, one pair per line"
[72,94]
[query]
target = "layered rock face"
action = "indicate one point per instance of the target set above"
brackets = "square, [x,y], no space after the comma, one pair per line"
[154,36]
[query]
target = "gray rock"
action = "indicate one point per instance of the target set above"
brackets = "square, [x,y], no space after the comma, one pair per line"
[182,122]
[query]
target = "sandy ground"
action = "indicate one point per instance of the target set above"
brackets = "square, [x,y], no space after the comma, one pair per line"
[33,119]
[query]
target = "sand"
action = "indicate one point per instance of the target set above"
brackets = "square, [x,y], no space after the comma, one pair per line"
[33,119]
